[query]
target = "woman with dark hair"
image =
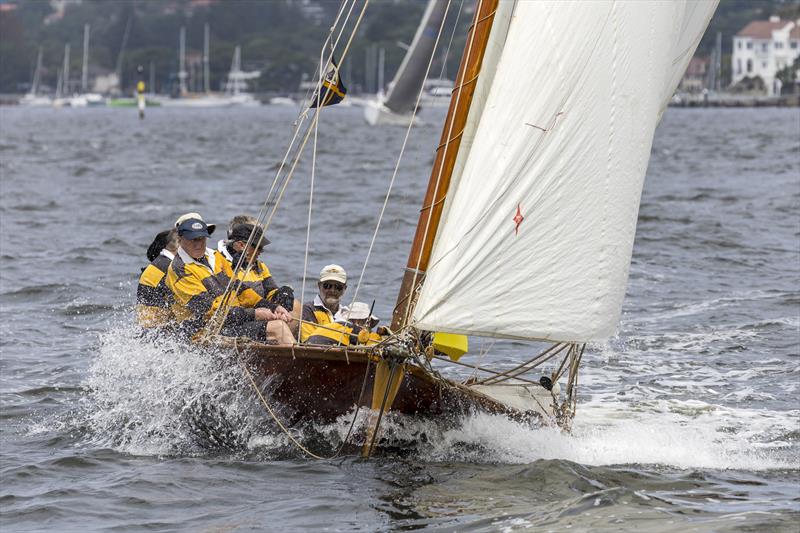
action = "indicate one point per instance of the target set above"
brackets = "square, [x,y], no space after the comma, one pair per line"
[153,297]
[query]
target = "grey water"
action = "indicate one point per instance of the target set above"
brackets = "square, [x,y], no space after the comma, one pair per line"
[689,418]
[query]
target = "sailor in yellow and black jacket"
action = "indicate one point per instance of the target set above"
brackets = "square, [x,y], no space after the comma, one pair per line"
[153,298]
[198,278]
[258,287]
[348,332]
[326,308]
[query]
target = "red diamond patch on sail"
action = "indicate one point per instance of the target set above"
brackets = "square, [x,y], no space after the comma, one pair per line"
[518,218]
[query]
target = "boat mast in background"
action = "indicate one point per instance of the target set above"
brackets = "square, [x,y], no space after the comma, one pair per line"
[206,76]
[31,98]
[85,66]
[121,53]
[65,85]
[182,61]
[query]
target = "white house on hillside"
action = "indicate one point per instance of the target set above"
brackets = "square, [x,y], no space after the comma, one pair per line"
[764,47]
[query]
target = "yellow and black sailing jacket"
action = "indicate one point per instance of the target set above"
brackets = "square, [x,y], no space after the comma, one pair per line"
[153,298]
[314,314]
[258,287]
[198,288]
[342,334]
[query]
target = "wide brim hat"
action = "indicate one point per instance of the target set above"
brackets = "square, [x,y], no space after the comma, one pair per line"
[242,232]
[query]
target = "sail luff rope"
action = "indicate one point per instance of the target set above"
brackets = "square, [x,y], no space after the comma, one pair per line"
[399,158]
[415,275]
[215,323]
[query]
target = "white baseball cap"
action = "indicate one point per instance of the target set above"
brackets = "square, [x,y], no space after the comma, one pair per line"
[333,273]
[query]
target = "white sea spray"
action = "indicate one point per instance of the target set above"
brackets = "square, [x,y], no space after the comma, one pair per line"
[147,394]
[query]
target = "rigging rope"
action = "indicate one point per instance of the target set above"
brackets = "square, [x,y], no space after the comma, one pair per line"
[217,320]
[280,424]
[400,156]
[449,136]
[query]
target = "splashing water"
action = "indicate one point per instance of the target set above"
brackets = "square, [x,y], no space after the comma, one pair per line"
[148,395]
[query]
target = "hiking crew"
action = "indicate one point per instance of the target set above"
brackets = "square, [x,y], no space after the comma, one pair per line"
[326,305]
[153,298]
[348,332]
[198,278]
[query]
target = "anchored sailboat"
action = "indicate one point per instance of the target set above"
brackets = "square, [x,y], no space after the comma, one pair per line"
[86,98]
[527,226]
[236,87]
[32,98]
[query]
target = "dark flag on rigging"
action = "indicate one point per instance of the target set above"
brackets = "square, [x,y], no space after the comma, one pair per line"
[333,90]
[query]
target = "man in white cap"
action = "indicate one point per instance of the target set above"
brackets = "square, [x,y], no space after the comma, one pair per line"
[198,278]
[326,307]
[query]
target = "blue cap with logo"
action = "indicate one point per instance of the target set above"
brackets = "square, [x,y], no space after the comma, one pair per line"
[192,226]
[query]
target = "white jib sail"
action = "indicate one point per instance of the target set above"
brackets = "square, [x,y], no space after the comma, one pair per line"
[562,138]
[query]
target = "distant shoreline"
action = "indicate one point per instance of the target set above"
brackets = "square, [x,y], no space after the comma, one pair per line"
[788,100]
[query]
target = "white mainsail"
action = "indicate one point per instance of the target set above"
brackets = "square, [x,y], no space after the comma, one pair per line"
[561,134]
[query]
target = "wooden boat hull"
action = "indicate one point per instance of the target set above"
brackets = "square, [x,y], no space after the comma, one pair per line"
[321,384]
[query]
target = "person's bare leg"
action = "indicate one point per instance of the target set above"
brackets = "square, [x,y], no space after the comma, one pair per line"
[294,324]
[279,333]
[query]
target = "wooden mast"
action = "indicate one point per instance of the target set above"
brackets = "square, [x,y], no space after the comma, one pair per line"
[446,153]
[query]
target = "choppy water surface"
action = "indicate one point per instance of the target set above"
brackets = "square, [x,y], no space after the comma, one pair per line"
[689,418]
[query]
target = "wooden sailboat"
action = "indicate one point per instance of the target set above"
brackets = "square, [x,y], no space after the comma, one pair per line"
[527,226]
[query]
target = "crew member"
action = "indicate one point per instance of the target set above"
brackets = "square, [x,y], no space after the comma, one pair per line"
[198,278]
[153,297]
[356,330]
[258,288]
[326,307]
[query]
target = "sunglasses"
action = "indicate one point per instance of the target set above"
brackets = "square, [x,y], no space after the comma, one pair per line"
[333,286]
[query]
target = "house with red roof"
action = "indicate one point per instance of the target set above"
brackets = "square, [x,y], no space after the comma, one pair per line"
[763,48]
